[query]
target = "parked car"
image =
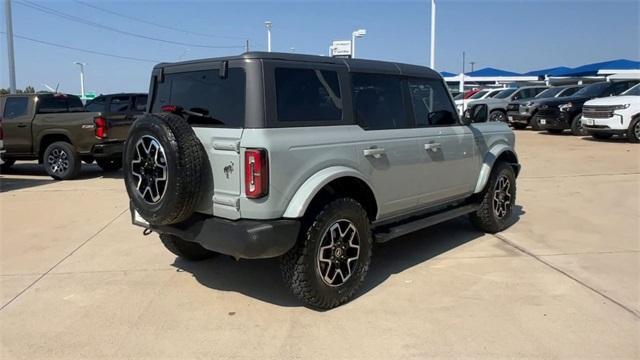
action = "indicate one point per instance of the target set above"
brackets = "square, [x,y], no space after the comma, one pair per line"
[497,106]
[56,130]
[618,115]
[461,104]
[311,159]
[556,115]
[521,112]
[466,94]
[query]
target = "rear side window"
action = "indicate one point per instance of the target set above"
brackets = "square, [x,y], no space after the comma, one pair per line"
[15,107]
[377,102]
[119,104]
[96,105]
[52,104]
[308,95]
[431,103]
[220,100]
[75,104]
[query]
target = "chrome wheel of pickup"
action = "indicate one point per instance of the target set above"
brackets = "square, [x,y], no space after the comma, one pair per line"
[502,197]
[338,253]
[149,167]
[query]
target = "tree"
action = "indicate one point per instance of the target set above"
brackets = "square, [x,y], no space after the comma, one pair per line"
[29,89]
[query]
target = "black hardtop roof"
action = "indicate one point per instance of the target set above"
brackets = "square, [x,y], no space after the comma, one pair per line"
[352,64]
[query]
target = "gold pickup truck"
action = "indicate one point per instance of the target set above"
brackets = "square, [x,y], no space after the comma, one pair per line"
[60,132]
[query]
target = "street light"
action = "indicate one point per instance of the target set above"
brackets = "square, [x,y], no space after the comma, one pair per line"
[268,24]
[356,34]
[81,78]
[432,62]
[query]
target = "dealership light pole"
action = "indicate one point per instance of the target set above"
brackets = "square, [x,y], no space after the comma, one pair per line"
[81,78]
[12,63]
[268,24]
[356,34]
[432,63]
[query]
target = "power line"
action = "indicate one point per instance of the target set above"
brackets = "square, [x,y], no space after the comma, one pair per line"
[63,15]
[82,50]
[163,26]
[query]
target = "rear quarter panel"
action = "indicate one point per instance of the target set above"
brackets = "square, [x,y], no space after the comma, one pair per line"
[78,127]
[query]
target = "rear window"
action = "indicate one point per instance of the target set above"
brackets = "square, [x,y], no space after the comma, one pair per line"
[15,107]
[308,95]
[220,100]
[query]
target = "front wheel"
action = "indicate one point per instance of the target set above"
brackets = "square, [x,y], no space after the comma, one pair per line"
[110,164]
[61,161]
[498,115]
[633,135]
[331,258]
[497,200]
[576,126]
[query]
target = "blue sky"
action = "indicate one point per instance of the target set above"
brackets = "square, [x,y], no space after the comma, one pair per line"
[513,35]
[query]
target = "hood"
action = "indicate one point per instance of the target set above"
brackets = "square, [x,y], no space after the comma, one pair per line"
[563,100]
[490,101]
[615,100]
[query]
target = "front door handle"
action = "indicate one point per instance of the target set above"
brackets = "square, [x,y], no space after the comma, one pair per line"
[375,152]
[432,147]
[22,125]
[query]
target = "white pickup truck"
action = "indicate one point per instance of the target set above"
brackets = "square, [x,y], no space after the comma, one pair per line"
[617,115]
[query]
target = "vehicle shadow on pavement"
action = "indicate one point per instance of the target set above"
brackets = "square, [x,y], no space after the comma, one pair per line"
[260,279]
[33,169]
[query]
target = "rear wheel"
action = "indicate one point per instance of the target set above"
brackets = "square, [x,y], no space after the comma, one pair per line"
[61,161]
[496,203]
[185,249]
[331,258]
[110,164]
[8,163]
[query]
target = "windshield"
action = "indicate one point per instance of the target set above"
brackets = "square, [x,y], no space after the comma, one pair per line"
[493,93]
[570,91]
[592,90]
[479,94]
[459,96]
[633,91]
[505,93]
[549,93]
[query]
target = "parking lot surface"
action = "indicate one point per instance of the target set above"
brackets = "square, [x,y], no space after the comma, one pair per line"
[77,280]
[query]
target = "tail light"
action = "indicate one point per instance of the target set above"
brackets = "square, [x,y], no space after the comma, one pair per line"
[256,173]
[101,127]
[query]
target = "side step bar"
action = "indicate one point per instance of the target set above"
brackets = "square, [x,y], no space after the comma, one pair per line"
[393,231]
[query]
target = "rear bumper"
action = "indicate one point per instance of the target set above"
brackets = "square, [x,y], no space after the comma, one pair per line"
[108,149]
[247,239]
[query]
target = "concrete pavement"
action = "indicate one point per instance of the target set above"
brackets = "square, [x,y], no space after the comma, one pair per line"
[78,281]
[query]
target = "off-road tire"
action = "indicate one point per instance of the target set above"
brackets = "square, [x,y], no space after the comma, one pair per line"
[8,163]
[631,133]
[576,126]
[185,167]
[299,266]
[109,165]
[601,136]
[555,131]
[498,115]
[485,219]
[71,159]
[186,249]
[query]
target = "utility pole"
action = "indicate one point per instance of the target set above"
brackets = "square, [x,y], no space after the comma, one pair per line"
[81,78]
[462,75]
[432,63]
[268,24]
[246,46]
[472,63]
[10,53]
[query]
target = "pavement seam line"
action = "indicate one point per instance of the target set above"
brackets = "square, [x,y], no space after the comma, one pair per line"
[565,273]
[64,258]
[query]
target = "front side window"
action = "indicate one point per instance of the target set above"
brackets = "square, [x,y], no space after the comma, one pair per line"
[377,102]
[307,95]
[15,107]
[119,104]
[431,104]
[220,100]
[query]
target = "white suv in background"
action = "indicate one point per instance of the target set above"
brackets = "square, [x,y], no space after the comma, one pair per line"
[461,104]
[617,115]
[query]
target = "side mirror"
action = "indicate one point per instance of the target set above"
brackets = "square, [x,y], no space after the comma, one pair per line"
[476,114]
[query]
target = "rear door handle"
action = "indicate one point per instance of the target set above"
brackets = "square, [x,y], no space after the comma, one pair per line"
[432,147]
[22,125]
[375,152]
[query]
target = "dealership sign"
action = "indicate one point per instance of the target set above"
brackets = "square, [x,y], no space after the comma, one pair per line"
[341,49]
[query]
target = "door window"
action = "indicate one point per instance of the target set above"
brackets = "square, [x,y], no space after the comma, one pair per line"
[431,103]
[119,104]
[308,95]
[140,103]
[377,102]
[15,107]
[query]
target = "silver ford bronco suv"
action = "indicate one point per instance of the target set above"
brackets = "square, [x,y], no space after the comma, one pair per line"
[311,159]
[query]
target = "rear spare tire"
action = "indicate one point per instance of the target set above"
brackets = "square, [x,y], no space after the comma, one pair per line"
[163,168]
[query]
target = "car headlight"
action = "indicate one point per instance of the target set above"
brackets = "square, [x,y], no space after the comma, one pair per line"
[621,107]
[565,107]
